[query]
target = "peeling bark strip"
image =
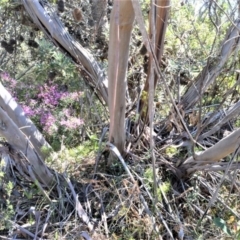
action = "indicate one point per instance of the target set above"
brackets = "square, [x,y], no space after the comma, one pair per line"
[121,23]
[160,9]
[10,131]
[213,154]
[52,27]
[15,112]
[210,73]
[99,10]
[231,113]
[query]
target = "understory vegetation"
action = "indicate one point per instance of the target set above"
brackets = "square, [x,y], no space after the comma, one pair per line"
[105,137]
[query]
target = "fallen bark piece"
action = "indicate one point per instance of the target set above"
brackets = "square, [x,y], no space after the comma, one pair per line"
[222,149]
[212,155]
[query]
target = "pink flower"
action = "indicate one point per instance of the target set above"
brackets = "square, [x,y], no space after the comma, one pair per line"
[48,121]
[72,122]
[74,96]
[28,111]
[6,77]
[66,112]
[50,94]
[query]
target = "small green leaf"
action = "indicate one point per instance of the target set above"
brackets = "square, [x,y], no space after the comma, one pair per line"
[219,222]
[238,236]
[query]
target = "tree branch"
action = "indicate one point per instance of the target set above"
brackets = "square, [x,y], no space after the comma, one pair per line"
[52,27]
[15,112]
[16,138]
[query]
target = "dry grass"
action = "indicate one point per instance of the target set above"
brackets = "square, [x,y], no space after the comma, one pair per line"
[119,205]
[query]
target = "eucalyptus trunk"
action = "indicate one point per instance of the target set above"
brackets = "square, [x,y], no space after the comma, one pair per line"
[160,10]
[121,23]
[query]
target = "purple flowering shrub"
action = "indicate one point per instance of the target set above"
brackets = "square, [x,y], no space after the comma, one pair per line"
[54,111]
[10,83]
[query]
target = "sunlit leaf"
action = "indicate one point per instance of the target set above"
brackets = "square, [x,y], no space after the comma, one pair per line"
[219,222]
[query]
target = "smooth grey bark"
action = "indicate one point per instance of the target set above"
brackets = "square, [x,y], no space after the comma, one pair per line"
[121,23]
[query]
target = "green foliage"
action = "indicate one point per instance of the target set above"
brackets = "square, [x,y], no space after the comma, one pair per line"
[192,38]
[52,61]
[164,187]
[219,222]
[86,148]
[6,207]
[75,154]
[32,191]
[3,3]
[148,175]
[171,151]
[46,151]
[188,46]
[181,36]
